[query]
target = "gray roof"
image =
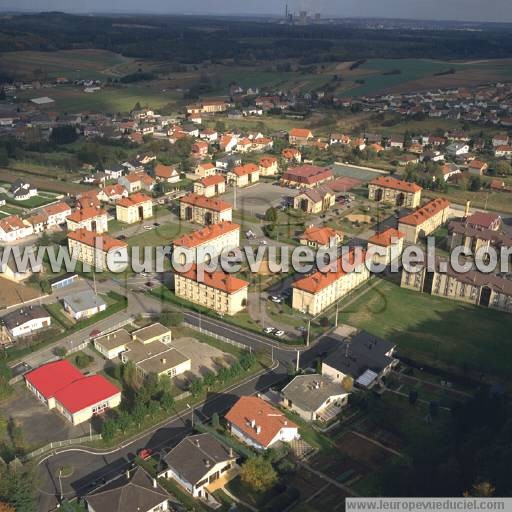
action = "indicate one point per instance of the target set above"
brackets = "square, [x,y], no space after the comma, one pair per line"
[309,392]
[164,362]
[151,331]
[114,339]
[360,353]
[127,494]
[23,315]
[83,301]
[193,457]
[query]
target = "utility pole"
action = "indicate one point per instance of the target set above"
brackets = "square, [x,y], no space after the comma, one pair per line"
[309,328]
[60,484]
[234,196]
[298,359]
[336,318]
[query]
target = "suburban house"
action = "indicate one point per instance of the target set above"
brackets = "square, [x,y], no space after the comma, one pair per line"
[98,250]
[396,192]
[268,166]
[215,237]
[450,170]
[205,169]
[306,177]
[60,385]
[228,142]
[200,464]
[477,167]
[12,228]
[38,222]
[320,237]
[26,321]
[90,218]
[292,155]
[149,348]
[219,291]
[391,241]
[425,220]
[314,200]
[200,149]
[484,220]
[132,491]
[166,173]
[137,181]
[300,136]
[457,149]
[259,424]
[134,208]
[228,162]
[315,397]
[115,171]
[112,193]
[502,139]
[481,289]
[503,151]
[211,186]
[22,190]
[56,213]
[244,175]
[362,359]
[313,293]
[204,210]
[83,304]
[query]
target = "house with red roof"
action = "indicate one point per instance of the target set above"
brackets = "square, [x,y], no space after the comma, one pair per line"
[56,213]
[308,176]
[390,190]
[300,136]
[425,220]
[259,424]
[134,208]
[166,173]
[477,167]
[14,228]
[60,385]
[205,169]
[204,210]
[386,245]
[88,217]
[210,186]
[244,175]
[321,237]
[268,166]
[112,193]
[292,155]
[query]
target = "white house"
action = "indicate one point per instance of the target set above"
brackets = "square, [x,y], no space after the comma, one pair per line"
[26,320]
[12,228]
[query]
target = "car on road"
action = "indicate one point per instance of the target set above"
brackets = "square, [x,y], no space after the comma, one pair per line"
[145,453]
[276,299]
[269,330]
[148,227]
[94,333]
[279,334]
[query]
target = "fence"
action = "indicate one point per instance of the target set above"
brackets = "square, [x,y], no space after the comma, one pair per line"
[218,337]
[59,444]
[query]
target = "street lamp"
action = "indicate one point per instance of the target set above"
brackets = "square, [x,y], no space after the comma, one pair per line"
[192,415]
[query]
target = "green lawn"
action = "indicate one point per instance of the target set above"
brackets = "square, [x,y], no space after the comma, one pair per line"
[161,235]
[436,331]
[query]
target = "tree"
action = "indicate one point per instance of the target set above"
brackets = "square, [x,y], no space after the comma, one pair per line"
[65,134]
[503,168]
[60,351]
[483,490]
[271,215]
[413,396]
[258,473]
[215,420]
[83,360]
[167,401]
[171,318]
[108,429]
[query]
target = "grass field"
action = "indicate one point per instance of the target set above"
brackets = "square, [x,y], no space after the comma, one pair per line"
[434,330]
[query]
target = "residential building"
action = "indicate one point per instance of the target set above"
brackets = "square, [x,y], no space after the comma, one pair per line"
[457,149]
[205,169]
[38,222]
[503,151]
[89,218]
[62,281]
[166,173]
[112,193]
[60,385]
[396,192]
[200,464]
[244,175]
[360,360]
[83,304]
[502,139]
[12,228]
[218,291]
[450,170]
[99,251]
[320,237]
[425,220]
[115,171]
[259,424]
[268,166]
[315,397]
[211,186]
[313,293]
[292,155]
[391,241]
[314,200]
[137,181]
[200,149]
[215,238]
[477,167]
[132,491]
[204,210]
[484,220]
[22,190]
[56,213]
[300,136]
[306,177]
[26,320]
[134,208]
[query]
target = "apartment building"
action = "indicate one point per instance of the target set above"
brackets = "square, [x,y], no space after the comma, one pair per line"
[396,192]
[425,220]
[134,208]
[391,241]
[215,237]
[89,218]
[218,291]
[93,249]
[204,210]
[211,186]
[244,175]
[313,293]
[316,200]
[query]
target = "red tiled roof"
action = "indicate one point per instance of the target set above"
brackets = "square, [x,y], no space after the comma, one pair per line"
[51,377]
[54,209]
[300,132]
[93,239]
[205,234]
[206,202]
[268,161]
[86,213]
[211,180]
[424,213]
[218,280]
[164,171]
[477,164]
[243,170]
[116,189]
[320,235]
[482,219]
[250,409]
[11,223]
[309,174]
[393,183]
[207,165]
[133,200]
[384,239]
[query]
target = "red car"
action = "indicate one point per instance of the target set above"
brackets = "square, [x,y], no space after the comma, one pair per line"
[145,453]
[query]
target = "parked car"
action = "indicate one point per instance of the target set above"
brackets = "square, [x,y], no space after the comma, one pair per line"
[269,330]
[276,299]
[279,334]
[145,453]
[148,227]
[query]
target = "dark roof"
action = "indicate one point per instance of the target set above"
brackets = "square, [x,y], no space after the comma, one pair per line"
[23,315]
[360,353]
[63,277]
[135,493]
[195,455]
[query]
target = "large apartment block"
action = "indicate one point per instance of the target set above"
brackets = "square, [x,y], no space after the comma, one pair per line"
[312,294]
[396,192]
[425,220]
[215,237]
[218,291]
[204,210]
[134,208]
[93,249]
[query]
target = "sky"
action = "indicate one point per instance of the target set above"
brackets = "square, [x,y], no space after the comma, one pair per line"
[460,10]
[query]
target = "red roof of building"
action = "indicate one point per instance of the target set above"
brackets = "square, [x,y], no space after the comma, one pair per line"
[89,212]
[11,223]
[206,202]
[426,212]
[56,208]
[268,161]
[93,239]
[246,169]
[164,171]
[85,392]
[320,235]
[251,412]
[477,164]
[301,133]
[209,181]
[115,189]
[384,239]
[393,183]
[206,166]
[218,280]
[133,200]
[206,234]
[483,219]
[308,174]
[51,377]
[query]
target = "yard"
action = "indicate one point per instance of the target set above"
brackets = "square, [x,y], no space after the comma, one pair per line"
[436,331]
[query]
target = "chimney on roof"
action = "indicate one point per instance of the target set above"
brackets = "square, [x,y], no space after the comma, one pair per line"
[155,483]
[127,474]
[253,423]
[258,429]
[163,360]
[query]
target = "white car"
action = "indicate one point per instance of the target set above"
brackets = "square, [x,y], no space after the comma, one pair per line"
[276,299]
[148,227]
[279,334]
[269,330]
[263,242]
